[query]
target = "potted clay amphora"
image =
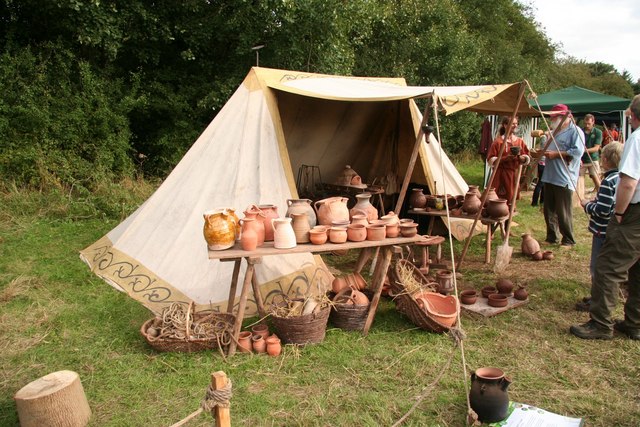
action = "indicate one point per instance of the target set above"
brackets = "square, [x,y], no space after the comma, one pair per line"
[220,229]
[498,208]
[270,212]
[529,245]
[299,206]
[253,212]
[488,395]
[283,235]
[417,198]
[332,209]
[363,205]
[471,204]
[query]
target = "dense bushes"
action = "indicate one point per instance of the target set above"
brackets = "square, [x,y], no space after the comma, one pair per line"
[62,123]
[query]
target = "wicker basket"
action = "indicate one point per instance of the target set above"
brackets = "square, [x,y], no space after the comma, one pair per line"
[305,329]
[348,316]
[406,303]
[223,321]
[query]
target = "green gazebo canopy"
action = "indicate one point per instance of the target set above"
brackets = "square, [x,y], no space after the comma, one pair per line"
[582,101]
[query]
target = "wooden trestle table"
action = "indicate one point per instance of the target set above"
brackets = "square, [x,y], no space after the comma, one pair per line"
[367,247]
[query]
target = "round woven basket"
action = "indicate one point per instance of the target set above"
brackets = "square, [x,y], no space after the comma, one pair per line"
[406,303]
[224,322]
[306,329]
[348,316]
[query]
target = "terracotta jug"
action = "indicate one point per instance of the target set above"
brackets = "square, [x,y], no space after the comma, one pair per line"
[364,205]
[488,395]
[301,228]
[417,198]
[471,204]
[283,235]
[244,342]
[498,208]
[253,212]
[299,206]
[249,239]
[220,229]
[270,212]
[332,209]
[529,245]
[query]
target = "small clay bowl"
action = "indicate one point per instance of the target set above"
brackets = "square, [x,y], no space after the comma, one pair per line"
[408,230]
[488,290]
[468,296]
[547,255]
[497,300]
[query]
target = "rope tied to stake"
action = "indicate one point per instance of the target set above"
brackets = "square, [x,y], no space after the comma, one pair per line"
[217,398]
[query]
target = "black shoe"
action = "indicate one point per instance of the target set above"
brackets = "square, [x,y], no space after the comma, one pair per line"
[591,331]
[622,327]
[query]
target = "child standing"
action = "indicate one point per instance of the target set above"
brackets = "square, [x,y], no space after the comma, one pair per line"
[601,208]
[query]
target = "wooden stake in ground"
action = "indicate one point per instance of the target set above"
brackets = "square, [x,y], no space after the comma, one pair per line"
[503,254]
[56,399]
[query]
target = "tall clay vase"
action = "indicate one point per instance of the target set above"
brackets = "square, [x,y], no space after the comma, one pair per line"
[274,348]
[249,237]
[283,235]
[301,228]
[254,213]
[471,204]
[270,212]
[364,205]
[488,395]
[220,229]
[529,245]
[417,198]
[244,342]
[299,206]
[498,208]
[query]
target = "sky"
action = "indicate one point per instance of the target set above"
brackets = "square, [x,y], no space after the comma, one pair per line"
[593,30]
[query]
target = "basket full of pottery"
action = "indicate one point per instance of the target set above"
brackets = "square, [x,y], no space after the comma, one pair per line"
[301,320]
[426,303]
[350,302]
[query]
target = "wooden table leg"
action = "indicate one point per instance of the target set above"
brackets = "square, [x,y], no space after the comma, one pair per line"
[487,250]
[234,285]
[365,254]
[377,281]
[256,289]
[248,276]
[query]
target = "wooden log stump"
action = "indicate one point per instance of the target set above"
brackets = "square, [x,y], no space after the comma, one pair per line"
[55,400]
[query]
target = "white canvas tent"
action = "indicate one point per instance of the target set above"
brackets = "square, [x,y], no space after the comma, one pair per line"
[276,121]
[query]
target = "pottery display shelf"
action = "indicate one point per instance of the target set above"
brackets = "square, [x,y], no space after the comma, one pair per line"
[486,221]
[367,248]
[482,307]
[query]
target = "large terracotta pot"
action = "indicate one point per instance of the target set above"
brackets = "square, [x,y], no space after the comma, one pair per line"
[529,245]
[332,209]
[220,229]
[488,395]
[363,205]
[299,206]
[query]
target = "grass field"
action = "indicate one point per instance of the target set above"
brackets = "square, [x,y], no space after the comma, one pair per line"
[55,314]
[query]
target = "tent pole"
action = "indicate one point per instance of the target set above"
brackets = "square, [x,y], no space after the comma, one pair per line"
[414,157]
[507,134]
